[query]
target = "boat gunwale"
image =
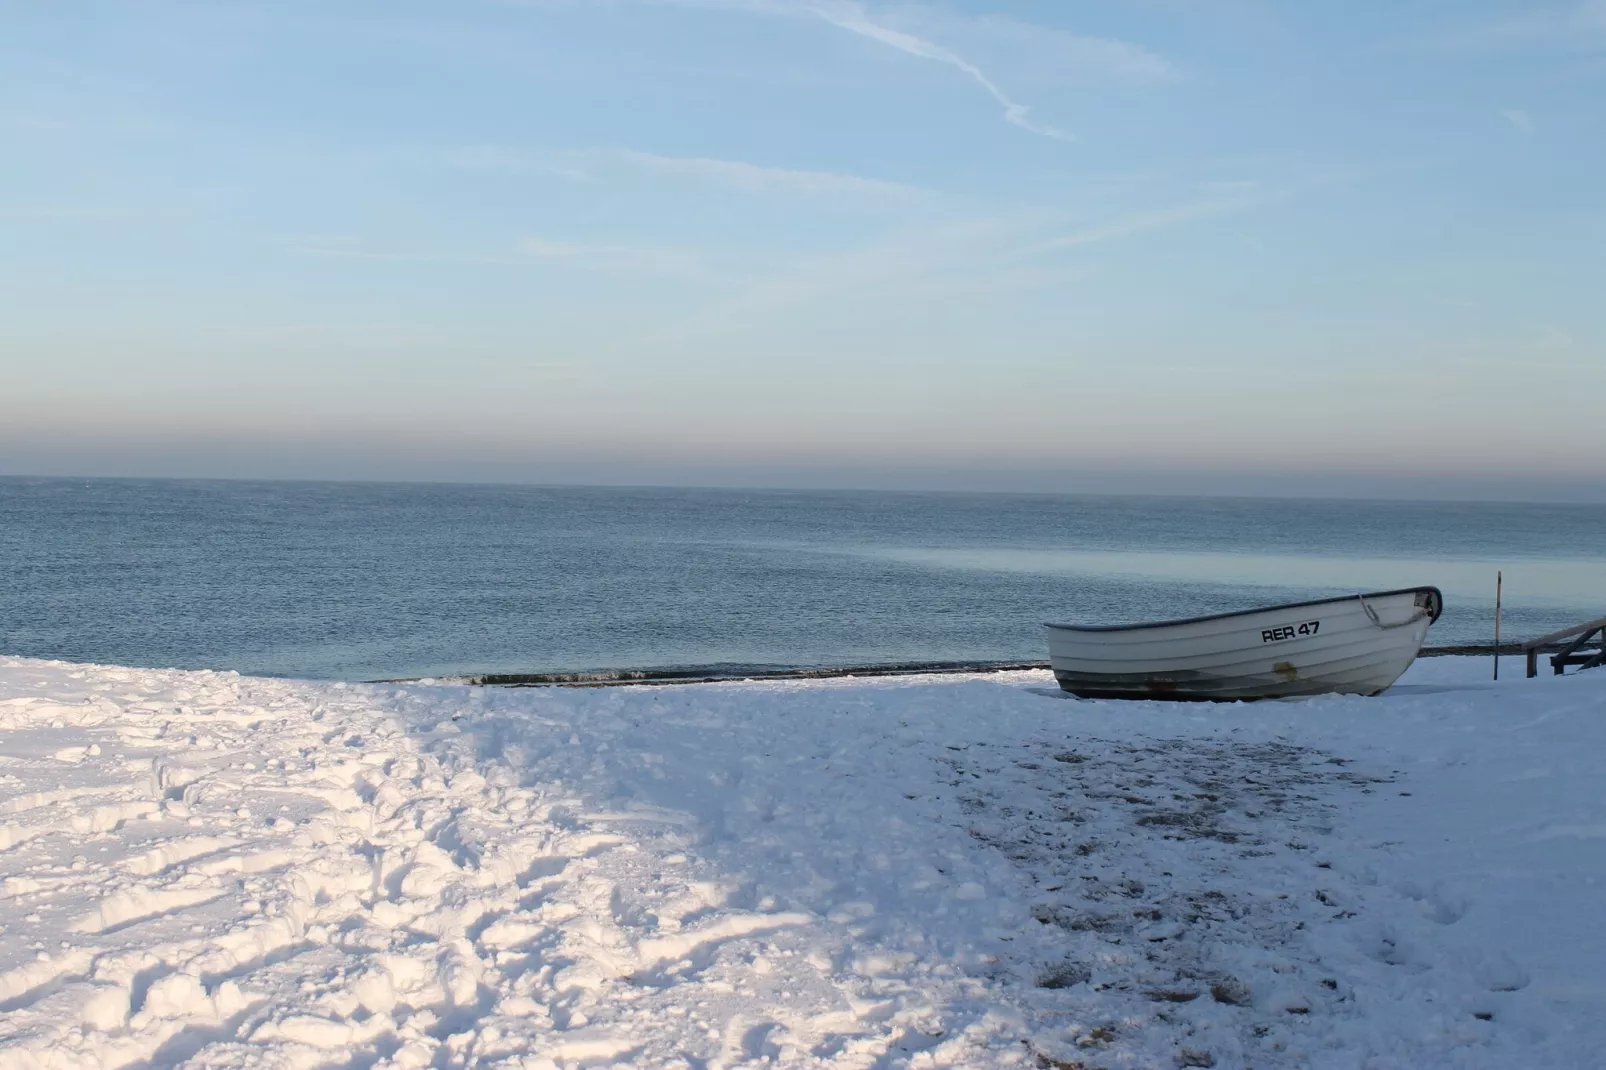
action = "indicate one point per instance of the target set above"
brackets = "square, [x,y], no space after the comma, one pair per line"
[1437,606]
[1229,659]
[1231,636]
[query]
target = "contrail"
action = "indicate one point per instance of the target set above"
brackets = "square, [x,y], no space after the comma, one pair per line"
[852,17]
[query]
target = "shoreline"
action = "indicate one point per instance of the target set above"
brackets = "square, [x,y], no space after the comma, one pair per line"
[714,674]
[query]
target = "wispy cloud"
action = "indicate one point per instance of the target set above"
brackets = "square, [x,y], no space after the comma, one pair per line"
[501,158]
[589,165]
[958,256]
[405,256]
[28,122]
[914,30]
[753,178]
[1041,53]
[874,271]
[387,332]
[625,258]
[1520,118]
[1574,27]
[1231,201]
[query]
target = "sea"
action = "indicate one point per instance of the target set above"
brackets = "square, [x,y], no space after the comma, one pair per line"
[372,581]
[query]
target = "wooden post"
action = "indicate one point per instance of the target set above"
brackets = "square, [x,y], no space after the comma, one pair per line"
[1497,582]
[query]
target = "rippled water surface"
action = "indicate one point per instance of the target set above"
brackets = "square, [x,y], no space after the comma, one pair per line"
[389,580]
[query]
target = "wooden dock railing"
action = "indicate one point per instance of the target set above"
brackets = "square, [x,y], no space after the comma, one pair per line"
[1568,653]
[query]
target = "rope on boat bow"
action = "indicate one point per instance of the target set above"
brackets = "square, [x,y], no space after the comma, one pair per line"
[1421,611]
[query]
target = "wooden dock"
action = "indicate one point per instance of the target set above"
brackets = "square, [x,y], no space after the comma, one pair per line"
[1568,647]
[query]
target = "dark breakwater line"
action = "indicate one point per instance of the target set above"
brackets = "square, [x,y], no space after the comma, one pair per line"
[710,674]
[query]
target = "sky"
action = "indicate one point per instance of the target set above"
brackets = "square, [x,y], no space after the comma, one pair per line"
[1160,245]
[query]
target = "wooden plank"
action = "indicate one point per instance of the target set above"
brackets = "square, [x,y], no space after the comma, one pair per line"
[1569,654]
[1572,647]
[1565,633]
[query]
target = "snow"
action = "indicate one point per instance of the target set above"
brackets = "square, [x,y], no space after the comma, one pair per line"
[920,872]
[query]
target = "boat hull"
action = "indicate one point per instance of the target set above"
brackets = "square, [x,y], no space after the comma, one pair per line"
[1358,645]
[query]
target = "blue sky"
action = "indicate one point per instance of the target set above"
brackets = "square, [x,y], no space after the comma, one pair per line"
[1151,244]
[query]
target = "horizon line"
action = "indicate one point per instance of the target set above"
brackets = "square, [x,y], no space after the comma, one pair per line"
[1598,501]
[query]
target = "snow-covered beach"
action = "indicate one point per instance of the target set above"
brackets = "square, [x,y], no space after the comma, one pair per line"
[921,871]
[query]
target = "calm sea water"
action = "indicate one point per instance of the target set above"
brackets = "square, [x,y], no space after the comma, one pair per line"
[386,580]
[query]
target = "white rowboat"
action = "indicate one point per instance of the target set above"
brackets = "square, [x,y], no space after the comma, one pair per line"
[1356,645]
